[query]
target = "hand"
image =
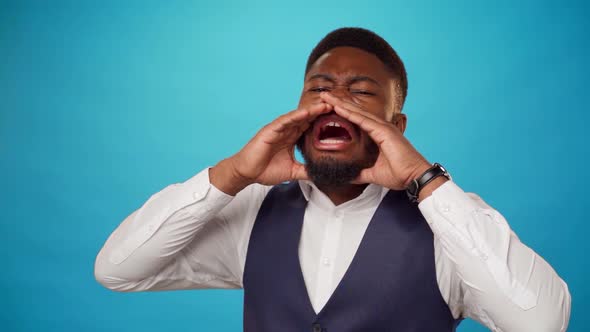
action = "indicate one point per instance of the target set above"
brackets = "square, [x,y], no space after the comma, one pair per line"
[269,157]
[398,162]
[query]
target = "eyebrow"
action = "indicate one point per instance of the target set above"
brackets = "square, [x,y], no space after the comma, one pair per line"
[350,80]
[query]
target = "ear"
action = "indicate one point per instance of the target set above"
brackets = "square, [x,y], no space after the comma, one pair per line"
[400,120]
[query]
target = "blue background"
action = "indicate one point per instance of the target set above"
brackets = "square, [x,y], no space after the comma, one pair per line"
[104,103]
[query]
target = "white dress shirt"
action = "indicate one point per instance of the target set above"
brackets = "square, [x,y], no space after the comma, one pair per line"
[191,235]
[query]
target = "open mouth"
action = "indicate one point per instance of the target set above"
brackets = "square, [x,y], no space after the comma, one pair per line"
[333,133]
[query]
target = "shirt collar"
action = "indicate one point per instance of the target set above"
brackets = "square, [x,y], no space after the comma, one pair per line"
[371,196]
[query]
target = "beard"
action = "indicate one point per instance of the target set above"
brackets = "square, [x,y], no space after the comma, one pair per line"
[327,171]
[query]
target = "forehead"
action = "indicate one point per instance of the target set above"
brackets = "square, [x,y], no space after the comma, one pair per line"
[349,61]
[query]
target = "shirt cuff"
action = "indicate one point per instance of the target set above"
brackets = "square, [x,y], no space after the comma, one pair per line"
[447,200]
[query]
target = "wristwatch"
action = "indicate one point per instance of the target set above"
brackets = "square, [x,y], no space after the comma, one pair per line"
[417,184]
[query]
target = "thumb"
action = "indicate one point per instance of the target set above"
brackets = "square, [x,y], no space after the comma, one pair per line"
[299,172]
[366,176]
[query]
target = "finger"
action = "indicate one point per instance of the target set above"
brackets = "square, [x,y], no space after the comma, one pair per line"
[310,113]
[289,120]
[300,117]
[339,102]
[313,112]
[318,109]
[376,130]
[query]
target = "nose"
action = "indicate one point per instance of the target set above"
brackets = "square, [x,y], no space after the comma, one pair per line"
[341,91]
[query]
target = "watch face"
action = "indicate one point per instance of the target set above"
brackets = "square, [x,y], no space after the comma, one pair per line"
[446,173]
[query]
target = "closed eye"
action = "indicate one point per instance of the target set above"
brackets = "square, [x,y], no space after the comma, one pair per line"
[363,92]
[319,89]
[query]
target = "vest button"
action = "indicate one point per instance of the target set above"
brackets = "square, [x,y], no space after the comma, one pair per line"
[316,327]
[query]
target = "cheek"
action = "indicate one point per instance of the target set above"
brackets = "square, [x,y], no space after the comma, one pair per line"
[376,106]
[361,148]
[365,141]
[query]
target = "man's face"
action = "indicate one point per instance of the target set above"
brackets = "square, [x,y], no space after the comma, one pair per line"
[335,150]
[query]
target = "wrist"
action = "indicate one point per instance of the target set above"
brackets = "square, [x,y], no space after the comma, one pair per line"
[425,179]
[225,177]
[418,170]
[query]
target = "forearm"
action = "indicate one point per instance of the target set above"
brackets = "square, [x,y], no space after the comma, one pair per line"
[505,284]
[151,237]
[224,176]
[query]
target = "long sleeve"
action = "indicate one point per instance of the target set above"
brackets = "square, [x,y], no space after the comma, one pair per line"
[178,239]
[488,274]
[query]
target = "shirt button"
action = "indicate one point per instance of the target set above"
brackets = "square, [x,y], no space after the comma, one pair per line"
[326,261]
[151,228]
[316,328]
[446,208]
[484,257]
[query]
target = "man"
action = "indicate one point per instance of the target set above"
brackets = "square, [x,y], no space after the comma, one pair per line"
[366,236]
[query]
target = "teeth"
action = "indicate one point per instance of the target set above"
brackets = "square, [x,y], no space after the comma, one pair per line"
[331,141]
[333,124]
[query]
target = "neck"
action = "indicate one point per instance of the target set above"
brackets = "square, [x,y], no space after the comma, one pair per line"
[342,194]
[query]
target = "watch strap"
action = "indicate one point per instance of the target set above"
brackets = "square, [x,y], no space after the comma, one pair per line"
[428,176]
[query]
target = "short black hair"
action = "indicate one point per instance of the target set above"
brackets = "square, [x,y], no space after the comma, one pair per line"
[367,41]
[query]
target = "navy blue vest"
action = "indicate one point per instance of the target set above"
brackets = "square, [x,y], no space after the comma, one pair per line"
[390,284]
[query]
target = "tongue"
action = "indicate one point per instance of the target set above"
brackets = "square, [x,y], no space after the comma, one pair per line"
[334,133]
